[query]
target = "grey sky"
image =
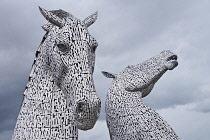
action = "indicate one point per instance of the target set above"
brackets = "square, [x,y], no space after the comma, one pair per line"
[128,32]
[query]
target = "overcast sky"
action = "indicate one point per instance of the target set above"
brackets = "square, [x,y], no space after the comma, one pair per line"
[128,32]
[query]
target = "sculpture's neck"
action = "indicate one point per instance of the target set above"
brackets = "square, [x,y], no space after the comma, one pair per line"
[121,98]
[40,77]
[49,98]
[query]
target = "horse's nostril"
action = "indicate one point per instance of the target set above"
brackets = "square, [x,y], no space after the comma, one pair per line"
[92,69]
[99,102]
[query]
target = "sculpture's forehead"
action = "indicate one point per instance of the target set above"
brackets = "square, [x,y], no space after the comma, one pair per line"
[74,28]
[71,21]
[69,32]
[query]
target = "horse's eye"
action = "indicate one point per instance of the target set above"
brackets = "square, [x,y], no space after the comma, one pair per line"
[62,47]
[80,107]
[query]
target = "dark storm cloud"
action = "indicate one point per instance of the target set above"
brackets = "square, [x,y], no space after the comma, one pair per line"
[179,27]
[203,106]
[19,39]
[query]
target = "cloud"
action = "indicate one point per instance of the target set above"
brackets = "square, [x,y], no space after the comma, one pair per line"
[127,33]
[188,124]
[203,106]
[6,135]
[99,132]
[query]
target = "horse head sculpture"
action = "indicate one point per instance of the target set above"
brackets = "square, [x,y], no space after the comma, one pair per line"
[60,87]
[71,61]
[126,114]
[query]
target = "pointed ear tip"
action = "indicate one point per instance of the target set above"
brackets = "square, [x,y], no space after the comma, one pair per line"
[108,75]
[41,9]
[103,72]
[96,13]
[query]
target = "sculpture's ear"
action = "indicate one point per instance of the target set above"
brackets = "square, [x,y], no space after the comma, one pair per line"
[52,17]
[109,75]
[90,19]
